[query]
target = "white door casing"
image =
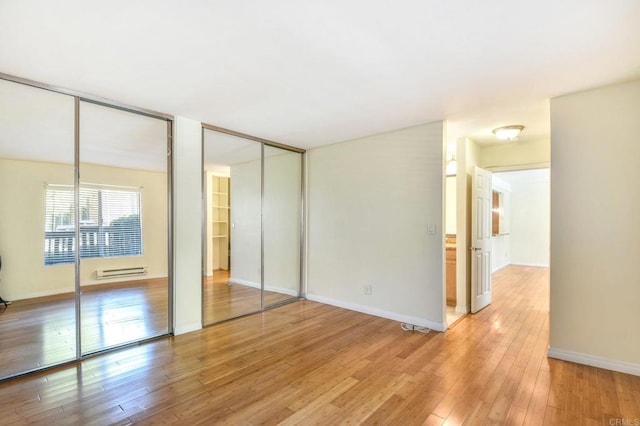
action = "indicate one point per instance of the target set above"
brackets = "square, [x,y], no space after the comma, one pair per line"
[481,196]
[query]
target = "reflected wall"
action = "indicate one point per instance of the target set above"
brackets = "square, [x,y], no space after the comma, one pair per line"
[264,234]
[282,224]
[232,182]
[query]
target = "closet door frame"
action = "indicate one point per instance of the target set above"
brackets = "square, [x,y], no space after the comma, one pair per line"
[81,97]
[264,143]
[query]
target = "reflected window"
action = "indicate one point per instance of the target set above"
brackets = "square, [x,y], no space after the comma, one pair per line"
[110,223]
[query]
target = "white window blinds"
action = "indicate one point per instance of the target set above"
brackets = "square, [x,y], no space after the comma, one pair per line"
[110,223]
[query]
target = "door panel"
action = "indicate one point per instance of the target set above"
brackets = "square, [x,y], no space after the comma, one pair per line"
[123,227]
[37,239]
[232,185]
[281,224]
[481,194]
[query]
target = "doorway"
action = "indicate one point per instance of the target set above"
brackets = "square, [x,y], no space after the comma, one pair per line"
[520,222]
[523,233]
[523,242]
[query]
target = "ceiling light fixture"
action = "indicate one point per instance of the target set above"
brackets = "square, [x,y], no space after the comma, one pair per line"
[508,133]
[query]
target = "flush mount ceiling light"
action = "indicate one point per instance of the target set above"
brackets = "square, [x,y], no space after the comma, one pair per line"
[508,133]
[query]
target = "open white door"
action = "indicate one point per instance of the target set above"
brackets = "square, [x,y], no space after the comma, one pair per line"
[481,192]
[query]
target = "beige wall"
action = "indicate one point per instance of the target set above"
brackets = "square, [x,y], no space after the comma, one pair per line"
[513,156]
[530,222]
[595,229]
[187,225]
[22,211]
[282,191]
[246,228]
[370,203]
[281,222]
[450,209]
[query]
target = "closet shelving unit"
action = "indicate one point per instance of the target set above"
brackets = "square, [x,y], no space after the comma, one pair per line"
[220,222]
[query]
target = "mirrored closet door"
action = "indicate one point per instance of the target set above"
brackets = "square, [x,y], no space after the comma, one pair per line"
[232,184]
[252,223]
[84,226]
[281,222]
[123,227]
[37,221]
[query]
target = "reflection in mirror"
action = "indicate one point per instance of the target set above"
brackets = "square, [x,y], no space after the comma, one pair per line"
[232,234]
[281,222]
[499,216]
[123,227]
[36,149]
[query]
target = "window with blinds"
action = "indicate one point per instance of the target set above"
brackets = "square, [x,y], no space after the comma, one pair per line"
[110,223]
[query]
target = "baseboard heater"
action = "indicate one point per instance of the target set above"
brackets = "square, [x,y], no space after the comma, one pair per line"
[120,272]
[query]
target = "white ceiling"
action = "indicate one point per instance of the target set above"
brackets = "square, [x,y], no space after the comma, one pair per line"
[309,73]
[222,151]
[38,125]
[35,124]
[117,138]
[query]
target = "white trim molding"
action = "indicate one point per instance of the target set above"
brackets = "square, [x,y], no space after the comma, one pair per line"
[187,328]
[535,265]
[433,325]
[595,361]
[283,290]
[462,309]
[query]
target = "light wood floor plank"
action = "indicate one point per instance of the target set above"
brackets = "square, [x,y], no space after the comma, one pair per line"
[308,363]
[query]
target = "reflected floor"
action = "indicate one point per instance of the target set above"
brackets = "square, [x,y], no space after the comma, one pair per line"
[452,316]
[223,301]
[38,332]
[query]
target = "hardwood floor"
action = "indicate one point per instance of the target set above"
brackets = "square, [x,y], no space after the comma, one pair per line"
[223,300]
[308,363]
[41,331]
[124,312]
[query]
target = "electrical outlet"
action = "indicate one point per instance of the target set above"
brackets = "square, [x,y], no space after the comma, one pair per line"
[368,289]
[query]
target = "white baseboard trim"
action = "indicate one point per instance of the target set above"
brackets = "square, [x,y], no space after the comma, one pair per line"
[253,284]
[122,279]
[498,267]
[187,328]
[595,361]
[267,287]
[463,309]
[54,292]
[36,294]
[535,265]
[436,326]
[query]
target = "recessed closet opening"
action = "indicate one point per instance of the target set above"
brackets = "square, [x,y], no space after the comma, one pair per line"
[252,224]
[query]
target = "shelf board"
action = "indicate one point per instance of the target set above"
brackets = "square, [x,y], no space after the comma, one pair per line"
[220,221]
[220,193]
[219,236]
[220,207]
